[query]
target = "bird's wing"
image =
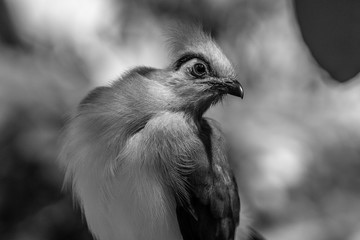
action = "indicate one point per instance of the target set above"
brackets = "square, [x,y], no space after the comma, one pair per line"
[218,137]
[212,211]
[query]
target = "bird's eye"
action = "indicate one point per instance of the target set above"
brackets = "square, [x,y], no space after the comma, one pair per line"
[198,70]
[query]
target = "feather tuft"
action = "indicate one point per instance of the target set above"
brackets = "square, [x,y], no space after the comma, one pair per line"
[182,38]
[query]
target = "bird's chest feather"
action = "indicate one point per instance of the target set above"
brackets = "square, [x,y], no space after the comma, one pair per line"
[170,180]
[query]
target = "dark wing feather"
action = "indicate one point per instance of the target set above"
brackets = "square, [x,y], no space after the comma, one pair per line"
[212,212]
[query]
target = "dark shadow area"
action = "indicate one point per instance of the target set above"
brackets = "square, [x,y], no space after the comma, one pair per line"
[331,29]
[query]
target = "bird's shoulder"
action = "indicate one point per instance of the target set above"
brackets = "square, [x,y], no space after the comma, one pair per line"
[169,122]
[171,135]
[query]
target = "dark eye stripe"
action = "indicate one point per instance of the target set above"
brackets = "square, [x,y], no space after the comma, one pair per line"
[188,56]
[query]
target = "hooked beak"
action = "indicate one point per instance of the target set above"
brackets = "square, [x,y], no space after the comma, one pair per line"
[234,88]
[225,86]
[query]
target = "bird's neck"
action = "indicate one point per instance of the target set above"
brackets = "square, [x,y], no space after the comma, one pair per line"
[197,108]
[195,111]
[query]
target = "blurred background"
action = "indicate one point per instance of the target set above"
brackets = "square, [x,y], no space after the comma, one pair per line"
[296,135]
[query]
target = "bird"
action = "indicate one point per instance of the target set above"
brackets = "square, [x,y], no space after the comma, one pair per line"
[141,159]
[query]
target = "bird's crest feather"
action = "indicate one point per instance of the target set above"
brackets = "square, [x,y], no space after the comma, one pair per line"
[182,38]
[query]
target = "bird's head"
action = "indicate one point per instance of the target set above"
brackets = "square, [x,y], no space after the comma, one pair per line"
[199,74]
